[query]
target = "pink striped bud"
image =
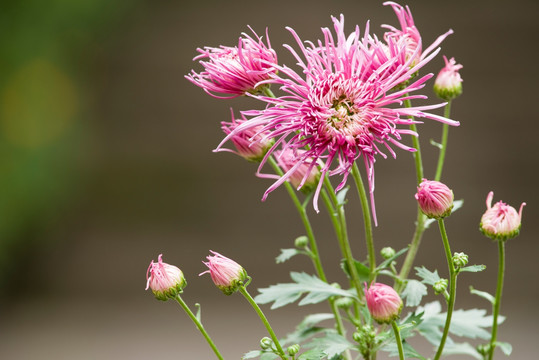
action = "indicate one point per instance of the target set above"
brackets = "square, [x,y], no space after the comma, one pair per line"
[434,198]
[501,221]
[226,274]
[166,281]
[384,302]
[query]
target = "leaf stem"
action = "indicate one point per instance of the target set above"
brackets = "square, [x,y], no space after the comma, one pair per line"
[452,291]
[398,339]
[445,133]
[366,220]
[255,306]
[498,297]
[199,326]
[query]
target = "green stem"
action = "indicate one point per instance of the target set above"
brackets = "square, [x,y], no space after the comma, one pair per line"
[199,326]
[267,91]
[415,143]
[367,221]
[305,219]
[498,298]
[445,133]
[255,306]
[453,288]
[343,239]
[398,339]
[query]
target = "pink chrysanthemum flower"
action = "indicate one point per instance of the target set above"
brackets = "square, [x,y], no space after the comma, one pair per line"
[165,280]
[226,274]
[448,84]
[344,109]
[434,198]
[251,144]
[501,221]
[409,35]
[383,302]
[235,71]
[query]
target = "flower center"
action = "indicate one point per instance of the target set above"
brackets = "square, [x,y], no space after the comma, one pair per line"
[346,118]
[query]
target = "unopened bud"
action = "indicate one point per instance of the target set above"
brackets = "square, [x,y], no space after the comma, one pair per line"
[226,274]
[501,221]
[440,286]
[344,302]
[435,199]
[165,280]
[387,252]
[301,242]
[265,343]
[383,302]
[460,259]
[292,349]
[448,84]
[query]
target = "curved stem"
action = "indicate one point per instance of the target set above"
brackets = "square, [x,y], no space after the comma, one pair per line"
[366,219]
[445,133]
[398,339]
[255,306]
[415,142]
[498,298]
[199,326]
[453,289]
[305,219]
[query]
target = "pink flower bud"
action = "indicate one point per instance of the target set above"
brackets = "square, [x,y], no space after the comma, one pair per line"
[501,221]
[166,281]
[307,173]
[226,274]
[383,302]
[234,71]
[252,143]
[448,84]
[435,199]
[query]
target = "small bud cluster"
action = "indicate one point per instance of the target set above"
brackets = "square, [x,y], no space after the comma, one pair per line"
[460,260]
[387,252]
[365,336]
[440,286]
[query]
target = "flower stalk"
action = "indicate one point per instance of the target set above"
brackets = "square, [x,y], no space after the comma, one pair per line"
[497,298]
[199,326]
[398,339]
[443,144]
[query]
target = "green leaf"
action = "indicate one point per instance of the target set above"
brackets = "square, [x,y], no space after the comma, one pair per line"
[363,270]
[409,351]
[386,262]
[434,143]
[315,289]
[313,354]
[505,347]
[332,344]
[286,254]
[428,276]
[452,348]
[306,328]
[473,268]
[457,204]
[252,354]
[483,294]
[341,195]
[268,356]
[199,312]
[414,292]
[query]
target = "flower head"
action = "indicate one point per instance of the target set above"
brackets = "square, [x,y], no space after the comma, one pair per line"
[501,221]
[434,198]
[251,144]
[344,108]
[384,302]
[448,84]
[166,281]
[226,274]
[235,71]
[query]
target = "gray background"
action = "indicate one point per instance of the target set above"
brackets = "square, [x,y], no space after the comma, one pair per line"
[148,183]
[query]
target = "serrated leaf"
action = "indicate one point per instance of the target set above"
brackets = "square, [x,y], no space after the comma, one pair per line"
[483,294]
[505,347]
[434,143]
[286,254]
[268,356]
[457,204]
[314,354]
[252,354]
[362,270]
[473,268]
[461,349]
[314,289]
[332,344]
[409,351]
[386,262]
[341,195]
[428,276]
[414,292]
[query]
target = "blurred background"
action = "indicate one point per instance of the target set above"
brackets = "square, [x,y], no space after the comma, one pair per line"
[106,162]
